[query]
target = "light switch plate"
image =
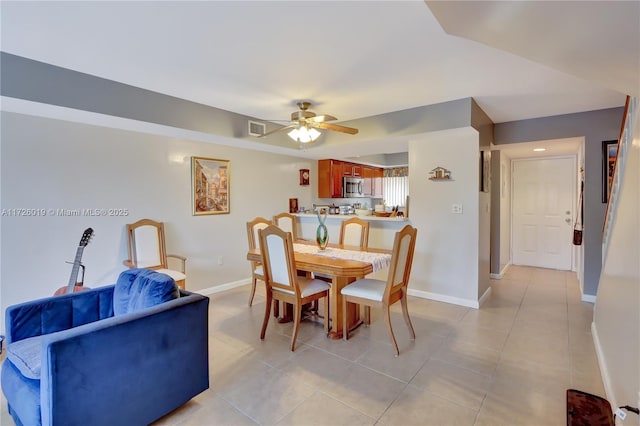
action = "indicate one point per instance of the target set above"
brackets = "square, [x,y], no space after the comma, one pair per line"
[456,208]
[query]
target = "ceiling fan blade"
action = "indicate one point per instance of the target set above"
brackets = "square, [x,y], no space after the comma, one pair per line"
[280,129]
[322,118]
[335,127]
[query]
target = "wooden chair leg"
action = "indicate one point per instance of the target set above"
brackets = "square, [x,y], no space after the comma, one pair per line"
[367,315]
[345,326]
[405,312]
[267,312]
[297,313]
[253,291]
[276,309]
[326,313]
[387,317]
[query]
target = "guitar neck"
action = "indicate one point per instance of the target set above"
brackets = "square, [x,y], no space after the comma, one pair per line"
[76,267]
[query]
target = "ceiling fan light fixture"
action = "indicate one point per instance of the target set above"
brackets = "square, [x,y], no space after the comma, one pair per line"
[303,134]
[304,124]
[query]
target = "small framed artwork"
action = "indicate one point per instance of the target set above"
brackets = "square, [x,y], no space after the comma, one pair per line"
[210,190]
[503,178]
[293,205]
[304,176]
[609,157]
[485,170]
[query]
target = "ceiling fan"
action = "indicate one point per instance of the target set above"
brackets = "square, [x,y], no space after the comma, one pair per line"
[304,124]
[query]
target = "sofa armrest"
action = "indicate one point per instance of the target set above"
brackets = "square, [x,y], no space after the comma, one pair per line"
[137,366]
[51,314]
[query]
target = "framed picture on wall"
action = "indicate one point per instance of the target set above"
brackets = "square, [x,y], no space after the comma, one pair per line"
[293,205]
[485,170]
[609,156]
[210,189]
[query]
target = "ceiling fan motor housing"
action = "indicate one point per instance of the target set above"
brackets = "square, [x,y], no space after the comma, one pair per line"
[309,120]
[302,115]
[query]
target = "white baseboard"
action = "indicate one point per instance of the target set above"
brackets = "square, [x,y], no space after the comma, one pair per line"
[604,372]
[484,297]
[444,298]
[223,287]
[501,274]
[417,293]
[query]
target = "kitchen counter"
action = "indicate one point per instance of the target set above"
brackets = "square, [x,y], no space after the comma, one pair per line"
[349,216]
[382,230]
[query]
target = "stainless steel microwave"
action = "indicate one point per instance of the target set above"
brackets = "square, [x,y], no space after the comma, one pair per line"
[352,187]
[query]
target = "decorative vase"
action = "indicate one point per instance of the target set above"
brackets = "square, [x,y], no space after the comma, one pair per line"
[322,234]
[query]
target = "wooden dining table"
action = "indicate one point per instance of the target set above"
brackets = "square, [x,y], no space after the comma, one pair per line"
[342,273]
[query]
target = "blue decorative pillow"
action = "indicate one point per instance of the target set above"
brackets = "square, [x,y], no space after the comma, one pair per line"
[138,289]
[25,355]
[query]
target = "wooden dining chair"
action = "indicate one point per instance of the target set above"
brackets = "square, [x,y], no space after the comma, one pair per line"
[257,272]
[147,249]
[283,282]
[354,232]
[286,222]
[372,292]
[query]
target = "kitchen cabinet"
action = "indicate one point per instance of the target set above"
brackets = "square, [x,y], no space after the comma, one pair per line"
[378,191]
[373,181]
[331,172]
[330,178]
[367,174]
[351,169]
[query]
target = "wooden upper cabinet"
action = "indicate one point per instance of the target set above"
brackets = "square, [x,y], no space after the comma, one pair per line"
[331,172]
[330,178]
[367,174]
[351,169]
[378,174]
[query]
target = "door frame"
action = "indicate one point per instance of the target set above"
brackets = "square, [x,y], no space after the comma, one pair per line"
[574,198]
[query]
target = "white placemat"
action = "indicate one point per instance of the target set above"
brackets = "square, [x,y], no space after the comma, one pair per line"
[377,260]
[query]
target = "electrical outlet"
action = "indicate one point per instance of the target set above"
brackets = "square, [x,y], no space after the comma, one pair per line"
[220,260]
[456,208]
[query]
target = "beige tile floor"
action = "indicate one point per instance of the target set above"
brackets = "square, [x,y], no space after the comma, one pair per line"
[508,363]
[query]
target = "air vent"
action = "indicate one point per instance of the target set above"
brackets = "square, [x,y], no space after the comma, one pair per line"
[256,129]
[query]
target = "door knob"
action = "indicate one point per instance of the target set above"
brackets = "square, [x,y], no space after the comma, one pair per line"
[568,220]
[568,212]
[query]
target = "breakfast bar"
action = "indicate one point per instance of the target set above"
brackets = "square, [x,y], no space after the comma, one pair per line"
[382,230]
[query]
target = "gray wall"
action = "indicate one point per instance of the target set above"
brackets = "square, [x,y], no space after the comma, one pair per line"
[595,127]
[36,81]
[495,211]
[483,124]
[414,121]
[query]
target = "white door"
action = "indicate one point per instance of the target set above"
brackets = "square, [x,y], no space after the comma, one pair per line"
[543,210]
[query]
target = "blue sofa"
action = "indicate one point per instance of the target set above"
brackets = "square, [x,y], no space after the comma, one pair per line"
[125,354]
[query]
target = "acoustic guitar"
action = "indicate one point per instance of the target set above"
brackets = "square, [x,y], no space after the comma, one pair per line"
[74,285]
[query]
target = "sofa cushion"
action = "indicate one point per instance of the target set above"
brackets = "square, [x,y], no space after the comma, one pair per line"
[138,289]
[25,356]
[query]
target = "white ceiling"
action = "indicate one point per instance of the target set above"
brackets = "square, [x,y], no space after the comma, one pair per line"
[352,59]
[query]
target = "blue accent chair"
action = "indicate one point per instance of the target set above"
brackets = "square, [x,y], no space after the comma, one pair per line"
[124,354]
